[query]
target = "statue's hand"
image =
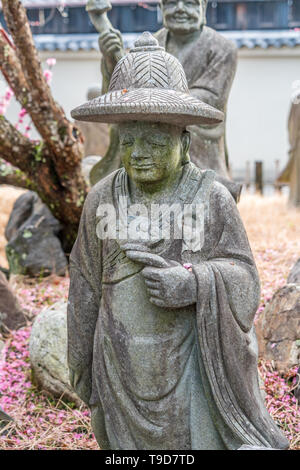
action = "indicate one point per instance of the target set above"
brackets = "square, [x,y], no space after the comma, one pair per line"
[112,48]
[169,284]
[173,287]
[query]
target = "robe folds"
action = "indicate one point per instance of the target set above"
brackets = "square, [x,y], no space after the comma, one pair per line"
[210,65]
[158,378]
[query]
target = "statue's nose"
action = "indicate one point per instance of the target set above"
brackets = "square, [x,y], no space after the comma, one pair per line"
[136,154]
[180,6]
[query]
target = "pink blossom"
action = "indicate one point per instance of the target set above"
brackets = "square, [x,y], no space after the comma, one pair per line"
[51,61]
[22,113]
[48,75]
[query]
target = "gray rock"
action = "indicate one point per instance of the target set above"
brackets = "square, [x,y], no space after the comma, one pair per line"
[48,352]
[278,329]
[11,315]
[2,344]
[4,417]
[33,246]
[294,276]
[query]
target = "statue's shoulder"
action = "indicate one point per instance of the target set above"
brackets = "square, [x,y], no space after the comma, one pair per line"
[218,41]
[102,192]
[161,35]
[221,198]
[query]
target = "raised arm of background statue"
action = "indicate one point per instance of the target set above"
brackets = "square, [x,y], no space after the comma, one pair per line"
[84,300]
[112,48]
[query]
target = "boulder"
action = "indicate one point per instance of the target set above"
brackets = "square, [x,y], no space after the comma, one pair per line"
[48,352]
[11,315]
[4,416]
[278,329]
[33,247]
[294,276]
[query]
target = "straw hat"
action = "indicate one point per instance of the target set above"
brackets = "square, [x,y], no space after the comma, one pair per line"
[148,84]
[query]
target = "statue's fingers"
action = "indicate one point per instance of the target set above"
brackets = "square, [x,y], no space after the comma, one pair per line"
[107,37]
[156,301]
[152,284]
[134,246]
[148,259]
[112,42]
[118,33]
[113,48]
[154,293]
[152,274]
[104,35]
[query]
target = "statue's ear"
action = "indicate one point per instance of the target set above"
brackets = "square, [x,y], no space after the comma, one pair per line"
[185,146]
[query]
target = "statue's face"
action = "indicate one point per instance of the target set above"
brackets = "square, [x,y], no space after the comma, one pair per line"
[183,16]
[150,152]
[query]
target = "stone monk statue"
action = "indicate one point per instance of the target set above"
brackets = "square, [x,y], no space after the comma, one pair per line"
[209,61]
[161,344]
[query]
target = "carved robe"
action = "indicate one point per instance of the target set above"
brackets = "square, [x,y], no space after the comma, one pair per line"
[158,378]
[209,64]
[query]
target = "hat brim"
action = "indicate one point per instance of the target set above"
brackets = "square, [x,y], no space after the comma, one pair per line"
[148,104]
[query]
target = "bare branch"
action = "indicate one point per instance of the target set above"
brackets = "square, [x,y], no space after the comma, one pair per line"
[15,177]
[12,72]
[52,124]
[15,148]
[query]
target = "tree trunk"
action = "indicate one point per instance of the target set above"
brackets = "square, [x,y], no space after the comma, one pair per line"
[52,165]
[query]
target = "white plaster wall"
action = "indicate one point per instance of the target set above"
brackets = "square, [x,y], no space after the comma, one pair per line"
[73,73]
[257,110]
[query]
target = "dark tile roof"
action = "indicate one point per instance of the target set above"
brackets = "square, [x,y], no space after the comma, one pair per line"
[72,3]
[243,39]
[264,39]
[51,3]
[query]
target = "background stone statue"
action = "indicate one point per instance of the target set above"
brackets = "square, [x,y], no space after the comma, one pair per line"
[209,61]
[161,343]
[291,173]
[96,139]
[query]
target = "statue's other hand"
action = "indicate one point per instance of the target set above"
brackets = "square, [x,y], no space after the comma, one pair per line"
[171,287]
[148,259]
[111,46]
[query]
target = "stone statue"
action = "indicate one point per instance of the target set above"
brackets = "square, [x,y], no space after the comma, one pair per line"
[161,343]
[291,174]
[96,138]
[209,61]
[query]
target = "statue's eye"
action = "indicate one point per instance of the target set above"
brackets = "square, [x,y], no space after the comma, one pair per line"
[155,143]
[126,143]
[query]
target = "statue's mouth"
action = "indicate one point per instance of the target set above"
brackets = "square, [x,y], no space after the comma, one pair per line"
[181,18]
[143,167]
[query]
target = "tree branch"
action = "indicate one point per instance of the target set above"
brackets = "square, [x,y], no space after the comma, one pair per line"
[15,177]
[13,74]
[15,148]
[65,144]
